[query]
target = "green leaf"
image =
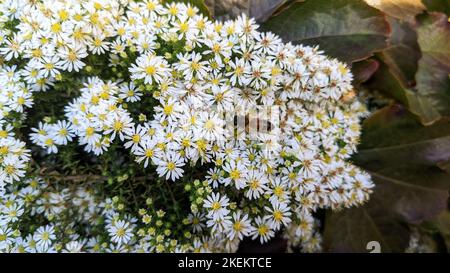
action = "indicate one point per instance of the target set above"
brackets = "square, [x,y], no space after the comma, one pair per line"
[403,54]
[261,10]
[415,67]
[346,29]
[398,151]
[433,81]
[350,230]
[388,83]
[401,155]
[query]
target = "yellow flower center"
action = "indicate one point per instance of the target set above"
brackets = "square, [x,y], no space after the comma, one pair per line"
[235,174]
[171,166]
[118,125]
[216,206]
[136,138]
[150,70]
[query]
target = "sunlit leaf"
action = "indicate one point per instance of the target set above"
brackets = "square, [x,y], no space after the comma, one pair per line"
[401,9]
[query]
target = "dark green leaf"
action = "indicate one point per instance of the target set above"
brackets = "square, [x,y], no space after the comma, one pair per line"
[433,81]
[350,230]
[398,151]
[346,29]
[416,73]
[261,10]
[438,5]
[403,52]
[402,156]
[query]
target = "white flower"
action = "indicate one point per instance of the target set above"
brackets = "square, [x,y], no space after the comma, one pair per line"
[73,247]
[44,236]
[236,174]
[217,206]
[192,65]
[6,238]
[99,45]
[146,151]
[211,127]
[169,165]
[12,212]
[71,58]
[49,66]
[120,232]
[240,226]
[12,169]
[12,48]
[262,230]
[62,132]
[240,73]
[150,68]
[214,177]
[257,184]
[129,92]
[120,124]
[279,215]
[135,136]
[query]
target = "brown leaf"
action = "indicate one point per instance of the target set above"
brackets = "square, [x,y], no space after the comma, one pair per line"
[364,70]
[401,9]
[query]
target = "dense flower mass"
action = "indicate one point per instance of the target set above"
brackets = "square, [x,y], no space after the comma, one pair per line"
[256,131]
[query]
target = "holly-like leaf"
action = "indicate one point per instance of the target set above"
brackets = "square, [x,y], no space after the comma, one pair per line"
[261,10]
[346,29]
[401,155]
[400,9]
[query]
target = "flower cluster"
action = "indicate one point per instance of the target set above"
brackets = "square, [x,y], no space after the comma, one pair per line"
[266,126]
[14,98]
